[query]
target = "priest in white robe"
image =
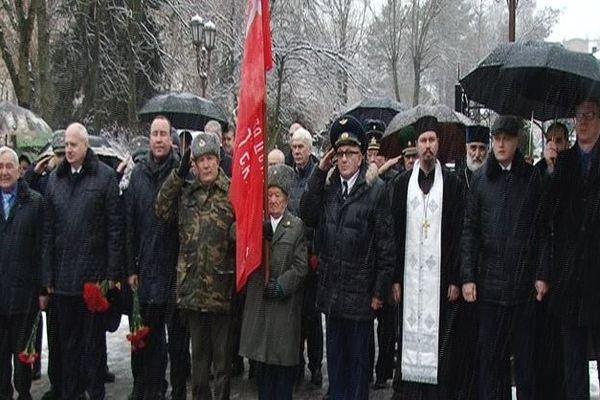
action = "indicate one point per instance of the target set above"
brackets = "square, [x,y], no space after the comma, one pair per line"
[427,204]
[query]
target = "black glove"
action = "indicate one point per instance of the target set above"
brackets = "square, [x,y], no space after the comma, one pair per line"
[273,290]
[184,166]
[267,231]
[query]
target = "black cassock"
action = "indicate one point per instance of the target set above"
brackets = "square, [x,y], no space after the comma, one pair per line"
[452,218]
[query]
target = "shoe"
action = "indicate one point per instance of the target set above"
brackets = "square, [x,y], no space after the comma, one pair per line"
[49,395]
[379,384]
[36,375]
[317,378]
[109,377]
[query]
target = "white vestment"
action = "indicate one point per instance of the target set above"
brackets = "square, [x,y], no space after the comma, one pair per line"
[422,280]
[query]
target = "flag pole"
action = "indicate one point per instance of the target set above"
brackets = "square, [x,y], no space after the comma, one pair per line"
[266,248]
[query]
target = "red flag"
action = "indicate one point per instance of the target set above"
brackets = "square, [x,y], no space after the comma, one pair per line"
[247,180]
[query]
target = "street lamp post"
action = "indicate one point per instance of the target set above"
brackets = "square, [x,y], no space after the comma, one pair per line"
[204,38]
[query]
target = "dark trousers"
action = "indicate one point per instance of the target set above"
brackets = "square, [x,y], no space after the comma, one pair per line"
[274,382]
[150,363]
[311,328]
[575,343]
[463,374]
[210,334]
[386,339]
[14,333]
[348,358]
[179,354]
[549,361]
[501,328]
[54,361]
[82,348]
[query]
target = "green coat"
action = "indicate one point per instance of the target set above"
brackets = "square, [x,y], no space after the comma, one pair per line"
[205,272]
[271,328]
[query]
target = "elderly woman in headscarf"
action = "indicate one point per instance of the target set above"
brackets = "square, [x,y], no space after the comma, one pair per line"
[271,324]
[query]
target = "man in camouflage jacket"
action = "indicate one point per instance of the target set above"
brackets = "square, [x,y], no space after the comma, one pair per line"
[205,276]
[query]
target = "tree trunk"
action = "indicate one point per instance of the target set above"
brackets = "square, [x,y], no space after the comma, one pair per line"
[132,20]
[44,84]
[280,78]
[417,80]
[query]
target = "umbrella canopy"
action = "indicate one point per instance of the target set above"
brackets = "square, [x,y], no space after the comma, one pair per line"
[98,144]
[184,110]
[541,78]
[22,128]
[444,115]
[382,108]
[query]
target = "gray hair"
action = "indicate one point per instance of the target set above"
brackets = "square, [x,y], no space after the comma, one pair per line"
[214,126]
[304,136]
[7,150]
[80,130]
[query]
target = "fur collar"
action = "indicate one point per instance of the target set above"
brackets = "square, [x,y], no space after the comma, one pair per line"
[89,166]
[369,174]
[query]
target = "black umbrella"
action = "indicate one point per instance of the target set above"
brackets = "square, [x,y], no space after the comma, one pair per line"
[444,115]
[541,78]
[184,110]
[383,108]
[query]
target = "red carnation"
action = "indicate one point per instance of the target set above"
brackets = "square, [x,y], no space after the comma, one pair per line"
[139,331]
[29,356]
[94,296]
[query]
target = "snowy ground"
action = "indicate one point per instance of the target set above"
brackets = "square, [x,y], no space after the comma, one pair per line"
[119,363]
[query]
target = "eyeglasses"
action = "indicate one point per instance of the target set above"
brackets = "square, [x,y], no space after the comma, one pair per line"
[585,116]
[347,154]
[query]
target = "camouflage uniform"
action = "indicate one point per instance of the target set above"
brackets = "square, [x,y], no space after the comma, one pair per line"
[205,275]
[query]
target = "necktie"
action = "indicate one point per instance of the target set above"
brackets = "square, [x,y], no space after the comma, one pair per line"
[7,204]
[345,192]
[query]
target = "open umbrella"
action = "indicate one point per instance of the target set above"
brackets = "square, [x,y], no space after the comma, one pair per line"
[382,108]
[184,110]
[21,128]
[539,78]
[444,115]
[452,140]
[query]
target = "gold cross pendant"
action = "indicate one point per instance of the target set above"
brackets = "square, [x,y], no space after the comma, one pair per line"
[425,226]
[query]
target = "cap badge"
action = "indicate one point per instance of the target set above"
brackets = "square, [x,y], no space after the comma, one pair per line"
[343,121]
[344,136]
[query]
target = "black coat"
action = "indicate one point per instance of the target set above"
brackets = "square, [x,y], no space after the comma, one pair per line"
[353,240]
[570,239]
[299,184]
[498,232]
[82,239]
[225,162]
[20,243]
[152,245]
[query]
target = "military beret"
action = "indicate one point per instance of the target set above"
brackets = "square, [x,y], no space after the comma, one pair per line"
[58,142]
[478,133]
[347,130]
[281,176]
[507,124]
[427,124]
[408,141]
[205,143]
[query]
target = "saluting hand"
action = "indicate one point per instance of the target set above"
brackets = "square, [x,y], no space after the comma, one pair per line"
[327,161]
[184,166]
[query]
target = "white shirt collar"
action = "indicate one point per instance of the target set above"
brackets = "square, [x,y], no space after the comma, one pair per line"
[78,170]
[275,222]
[506,168]
[350,181]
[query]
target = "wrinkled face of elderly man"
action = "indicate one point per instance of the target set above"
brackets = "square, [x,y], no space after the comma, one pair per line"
[349,158]
[207,168]
[9,169]
[76,144]
[277,201]
[301,147]
[476,155]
